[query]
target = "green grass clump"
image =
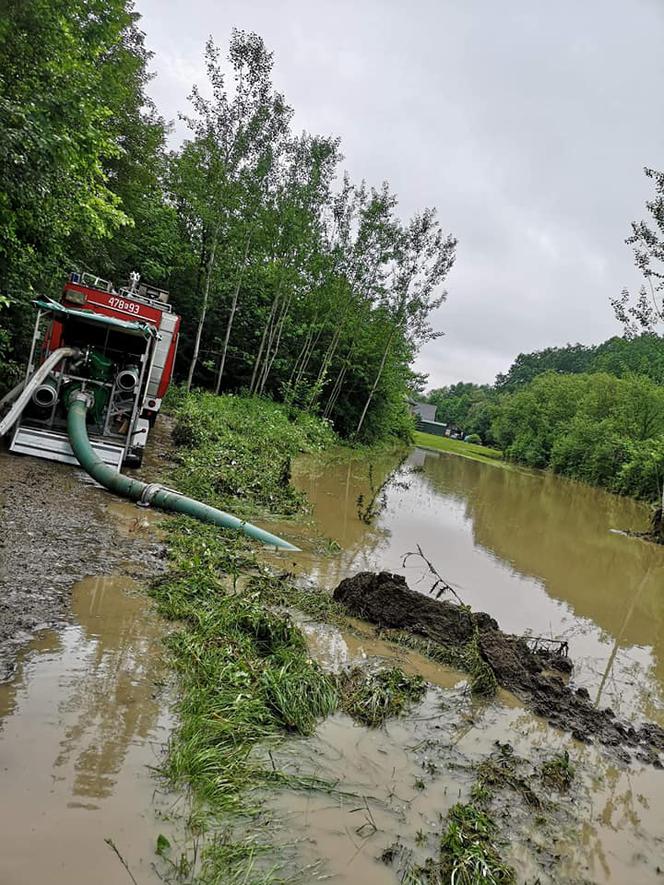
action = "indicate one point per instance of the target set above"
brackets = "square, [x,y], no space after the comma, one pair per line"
[468,853]
[245,672]
[558,772]
[457,447]
[371,697]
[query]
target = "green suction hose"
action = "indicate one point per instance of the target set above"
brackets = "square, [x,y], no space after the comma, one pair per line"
[78,403]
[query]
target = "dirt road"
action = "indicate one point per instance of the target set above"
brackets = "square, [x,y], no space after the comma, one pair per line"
[57,527]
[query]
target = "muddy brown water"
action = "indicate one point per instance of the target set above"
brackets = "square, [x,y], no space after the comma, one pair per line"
[82,723]
[86,714]
[544,556]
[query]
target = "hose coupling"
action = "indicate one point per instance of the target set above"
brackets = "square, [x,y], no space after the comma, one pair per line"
[150,490]
[81,396]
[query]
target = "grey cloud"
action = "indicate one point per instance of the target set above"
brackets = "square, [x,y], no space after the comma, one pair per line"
[527,124]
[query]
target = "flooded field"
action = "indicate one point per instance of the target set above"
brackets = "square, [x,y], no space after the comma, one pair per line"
[543,556]
[87,712]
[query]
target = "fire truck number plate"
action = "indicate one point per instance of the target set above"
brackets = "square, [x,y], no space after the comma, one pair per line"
[121,304]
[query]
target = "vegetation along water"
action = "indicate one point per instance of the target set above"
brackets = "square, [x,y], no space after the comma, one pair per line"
[459,676]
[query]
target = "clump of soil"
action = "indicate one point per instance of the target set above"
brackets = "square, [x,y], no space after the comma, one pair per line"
[533,676]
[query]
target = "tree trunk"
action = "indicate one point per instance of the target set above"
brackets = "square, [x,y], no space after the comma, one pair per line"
[307,358]
[231,316]
[271,357]
[201,319]
[338,384]
[374,386]
[257,362]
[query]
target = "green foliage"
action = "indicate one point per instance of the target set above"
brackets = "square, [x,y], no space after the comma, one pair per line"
[72,77]
[473,439]
[371,697]
[598,428]
[236,451]
[464,406]
[642,355]
[291,283]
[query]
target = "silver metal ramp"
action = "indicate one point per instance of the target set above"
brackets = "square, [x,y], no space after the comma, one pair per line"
[54,446]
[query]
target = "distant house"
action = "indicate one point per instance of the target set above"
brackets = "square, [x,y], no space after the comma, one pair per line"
[425,415]
[422,411]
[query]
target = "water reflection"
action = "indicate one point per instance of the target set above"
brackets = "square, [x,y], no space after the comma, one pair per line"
[82,721]
[538,552]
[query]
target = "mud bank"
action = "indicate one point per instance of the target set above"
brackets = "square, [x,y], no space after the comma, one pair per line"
[56,528]
[535,677]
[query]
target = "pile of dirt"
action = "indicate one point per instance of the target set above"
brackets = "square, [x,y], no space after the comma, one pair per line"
[533,676]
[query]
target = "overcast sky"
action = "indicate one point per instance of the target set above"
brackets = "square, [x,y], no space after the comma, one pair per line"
[526,123]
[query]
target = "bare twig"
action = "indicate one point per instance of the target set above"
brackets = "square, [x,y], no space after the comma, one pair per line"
[124,863]
[440,585]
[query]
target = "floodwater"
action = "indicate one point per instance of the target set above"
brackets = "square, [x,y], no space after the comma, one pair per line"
[544,556]
[86,716]
[82,723]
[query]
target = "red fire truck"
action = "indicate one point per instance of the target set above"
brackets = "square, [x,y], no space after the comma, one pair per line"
[121,344]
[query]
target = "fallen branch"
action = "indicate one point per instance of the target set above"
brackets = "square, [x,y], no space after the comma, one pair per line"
[440,584]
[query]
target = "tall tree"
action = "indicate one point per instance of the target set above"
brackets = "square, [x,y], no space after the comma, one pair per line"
[238,133]
[645,311]
[421,258]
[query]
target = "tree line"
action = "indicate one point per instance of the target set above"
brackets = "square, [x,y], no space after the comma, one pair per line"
[594,413]
[293,281]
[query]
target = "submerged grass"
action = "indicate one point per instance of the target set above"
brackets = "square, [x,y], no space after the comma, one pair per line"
[371,697]
[466,658]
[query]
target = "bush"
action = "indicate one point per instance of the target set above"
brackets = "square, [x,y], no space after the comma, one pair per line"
[601,429]
[236,451]
[474,439]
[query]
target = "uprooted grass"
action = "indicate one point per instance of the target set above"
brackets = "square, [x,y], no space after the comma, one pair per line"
[558,772]
[371,697]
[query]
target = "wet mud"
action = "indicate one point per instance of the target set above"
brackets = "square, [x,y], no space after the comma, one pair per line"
[533,676]
[56,527]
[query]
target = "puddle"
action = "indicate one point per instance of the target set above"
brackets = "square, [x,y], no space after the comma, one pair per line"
[81,722]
